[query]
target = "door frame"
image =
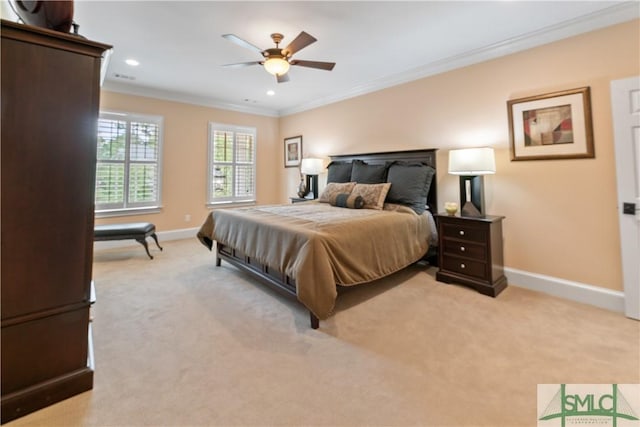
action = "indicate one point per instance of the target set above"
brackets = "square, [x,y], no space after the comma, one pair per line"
[625,110]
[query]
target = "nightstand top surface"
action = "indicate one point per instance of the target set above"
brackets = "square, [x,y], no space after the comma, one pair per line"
[485,218]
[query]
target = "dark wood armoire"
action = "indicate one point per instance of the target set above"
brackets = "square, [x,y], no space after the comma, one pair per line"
[50,103]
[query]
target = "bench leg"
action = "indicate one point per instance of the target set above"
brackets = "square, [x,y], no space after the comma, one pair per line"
[143,242]
[156,239]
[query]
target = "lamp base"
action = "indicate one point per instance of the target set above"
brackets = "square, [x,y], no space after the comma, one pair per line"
[469,209]
[302,189]
[312,187]
[472,195]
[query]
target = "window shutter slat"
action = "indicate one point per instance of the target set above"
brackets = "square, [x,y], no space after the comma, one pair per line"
[109,183]
[111,139]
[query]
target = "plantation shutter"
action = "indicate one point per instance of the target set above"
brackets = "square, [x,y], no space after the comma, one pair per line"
[245,171]
[232,164]
[143,164]
[128,162]
[112,136]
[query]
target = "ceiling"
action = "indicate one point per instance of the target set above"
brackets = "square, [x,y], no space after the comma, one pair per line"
[374,44]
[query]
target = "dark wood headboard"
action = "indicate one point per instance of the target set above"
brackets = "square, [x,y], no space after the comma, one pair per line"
[427,156]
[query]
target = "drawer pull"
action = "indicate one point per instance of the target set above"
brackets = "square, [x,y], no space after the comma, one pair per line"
[462,249]
[462,232]
[462,266]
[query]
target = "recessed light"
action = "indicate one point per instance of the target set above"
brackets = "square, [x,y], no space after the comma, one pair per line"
[271,92]
[132,62]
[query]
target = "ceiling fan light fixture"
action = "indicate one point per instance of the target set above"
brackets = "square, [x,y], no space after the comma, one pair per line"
[276,60]
[276,66]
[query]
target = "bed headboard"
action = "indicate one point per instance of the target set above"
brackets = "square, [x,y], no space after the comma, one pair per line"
[427,156]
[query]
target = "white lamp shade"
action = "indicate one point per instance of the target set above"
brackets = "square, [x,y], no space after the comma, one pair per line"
[276,66]
[311,166]
[472,161]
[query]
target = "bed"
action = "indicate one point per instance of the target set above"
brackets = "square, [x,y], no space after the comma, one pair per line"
[306,250]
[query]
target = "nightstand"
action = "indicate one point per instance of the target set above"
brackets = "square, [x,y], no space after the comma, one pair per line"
[470,252]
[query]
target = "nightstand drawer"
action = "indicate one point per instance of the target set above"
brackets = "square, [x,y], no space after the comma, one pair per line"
[466,249]
[464,232]
[465,266]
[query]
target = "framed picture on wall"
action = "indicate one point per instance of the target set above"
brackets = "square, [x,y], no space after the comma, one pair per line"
[551,126]
[292,151]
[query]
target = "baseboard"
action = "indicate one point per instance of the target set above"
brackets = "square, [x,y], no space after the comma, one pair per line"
[574,291]
[163,236]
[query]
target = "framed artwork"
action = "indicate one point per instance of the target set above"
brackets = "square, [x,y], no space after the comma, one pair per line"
[551,126]
[292,151]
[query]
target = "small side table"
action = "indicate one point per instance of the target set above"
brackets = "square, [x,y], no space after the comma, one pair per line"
[470,252]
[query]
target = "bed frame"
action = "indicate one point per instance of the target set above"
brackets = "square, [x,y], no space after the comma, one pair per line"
[287,285]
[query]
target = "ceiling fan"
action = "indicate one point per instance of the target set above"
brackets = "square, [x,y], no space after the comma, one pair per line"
[277,61]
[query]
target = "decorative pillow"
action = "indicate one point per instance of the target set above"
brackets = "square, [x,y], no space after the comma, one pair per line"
[364,173]
[346,200]
[339,172]
[334,188]
[373,194]
[410,184]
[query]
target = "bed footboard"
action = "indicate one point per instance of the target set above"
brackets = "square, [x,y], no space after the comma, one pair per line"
[272,277]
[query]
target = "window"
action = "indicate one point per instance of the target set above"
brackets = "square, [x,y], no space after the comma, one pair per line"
[232,166]
[128,167]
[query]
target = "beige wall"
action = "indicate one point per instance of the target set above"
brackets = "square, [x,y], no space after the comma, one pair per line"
[561,214]
[561,217]
[184,163]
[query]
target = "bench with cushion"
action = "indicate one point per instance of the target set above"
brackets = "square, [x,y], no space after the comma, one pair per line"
[139,231]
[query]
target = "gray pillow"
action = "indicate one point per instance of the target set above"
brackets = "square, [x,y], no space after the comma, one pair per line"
[339,172]
[346,200]
[364,173]
[410,183]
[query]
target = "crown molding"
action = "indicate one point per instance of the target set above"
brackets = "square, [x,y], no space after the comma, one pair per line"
[616,14]
[130,89]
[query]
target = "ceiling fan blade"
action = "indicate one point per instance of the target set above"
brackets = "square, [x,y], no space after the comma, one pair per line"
[282,78]
[241,42]
[314,64]
[303,40]
[242,64]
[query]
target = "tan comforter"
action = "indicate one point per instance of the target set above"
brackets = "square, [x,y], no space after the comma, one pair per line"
[320,245]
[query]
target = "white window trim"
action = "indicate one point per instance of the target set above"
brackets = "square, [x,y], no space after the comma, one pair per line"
[136,209]
[233,200]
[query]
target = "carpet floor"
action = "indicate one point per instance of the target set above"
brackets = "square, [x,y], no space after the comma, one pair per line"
[180,342]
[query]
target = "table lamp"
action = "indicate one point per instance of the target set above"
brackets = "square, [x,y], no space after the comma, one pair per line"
[471,164]
[311,167]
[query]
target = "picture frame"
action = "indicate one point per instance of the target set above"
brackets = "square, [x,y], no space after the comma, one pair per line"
[552,126]
[292,151]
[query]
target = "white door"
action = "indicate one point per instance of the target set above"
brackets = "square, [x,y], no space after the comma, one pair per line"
[625,107]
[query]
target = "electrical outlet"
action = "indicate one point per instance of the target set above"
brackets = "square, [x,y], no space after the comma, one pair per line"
[187,218]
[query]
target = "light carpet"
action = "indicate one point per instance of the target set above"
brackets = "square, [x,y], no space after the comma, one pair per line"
[180,342]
